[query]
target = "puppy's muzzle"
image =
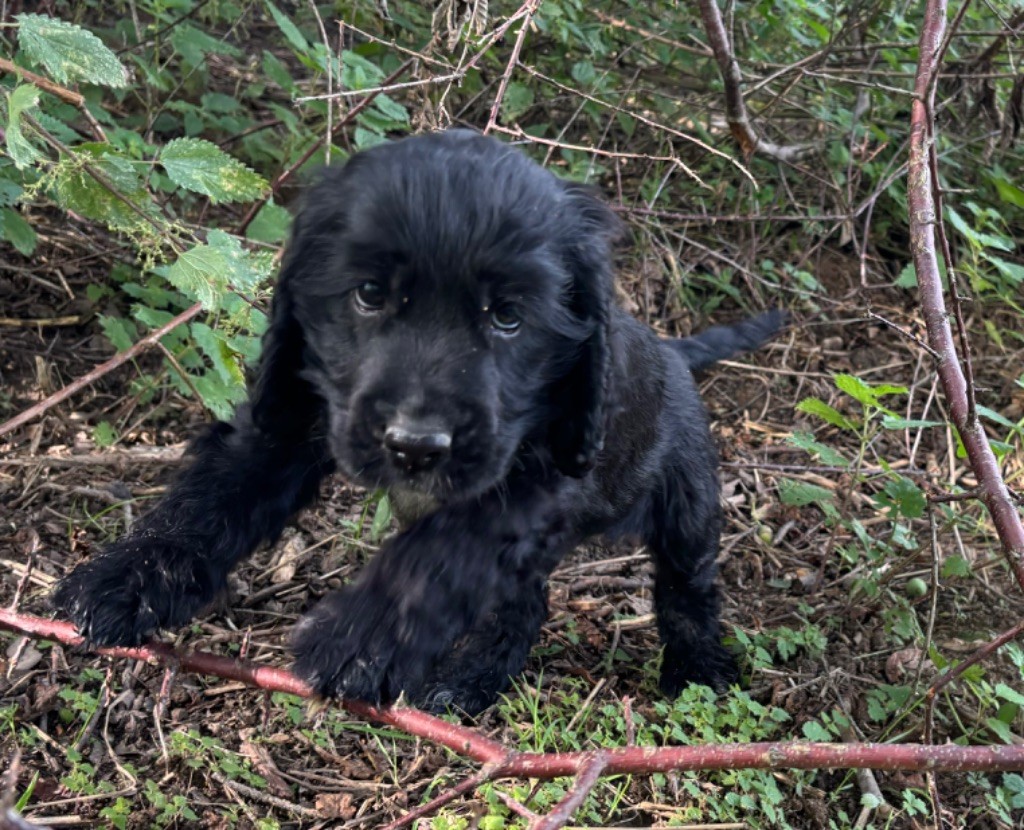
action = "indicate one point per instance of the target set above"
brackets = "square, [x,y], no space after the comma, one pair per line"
[417,446]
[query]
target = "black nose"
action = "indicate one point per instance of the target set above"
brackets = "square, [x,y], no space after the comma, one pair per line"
[417,447]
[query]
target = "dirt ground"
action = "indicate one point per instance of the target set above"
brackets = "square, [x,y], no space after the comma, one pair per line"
[62,497]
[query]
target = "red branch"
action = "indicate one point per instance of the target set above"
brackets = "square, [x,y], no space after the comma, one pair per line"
[924,218]
[587,766]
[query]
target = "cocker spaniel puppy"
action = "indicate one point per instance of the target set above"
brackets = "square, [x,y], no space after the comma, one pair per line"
[444,327]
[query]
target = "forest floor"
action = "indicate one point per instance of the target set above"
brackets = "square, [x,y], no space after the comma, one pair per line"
[829,626]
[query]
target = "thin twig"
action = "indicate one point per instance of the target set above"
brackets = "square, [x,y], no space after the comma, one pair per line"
[104,368]
[735,109]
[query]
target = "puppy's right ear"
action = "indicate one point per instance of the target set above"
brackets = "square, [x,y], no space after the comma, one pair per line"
[278,394]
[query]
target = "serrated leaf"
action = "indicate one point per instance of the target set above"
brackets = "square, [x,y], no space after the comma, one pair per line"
[21,150]
[77,190]
[270,224]
[1001,730]
[1007,693]
[9,192]
[518,99]
[865,393]
[977,238]
[103,434]
[69,52]
[289,29]
[120,332]
[17,231]
[814,731]
[219,397]
[904,497]
[224,359]
[202,167]
[201,274]
[194,45]
[955,566]
[805,441]
[820,409]
[800,493]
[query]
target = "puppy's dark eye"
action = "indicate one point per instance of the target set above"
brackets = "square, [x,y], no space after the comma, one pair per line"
[369,297]
[505,318]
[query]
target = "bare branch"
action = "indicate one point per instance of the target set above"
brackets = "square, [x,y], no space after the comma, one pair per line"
[735,110]
[924,219]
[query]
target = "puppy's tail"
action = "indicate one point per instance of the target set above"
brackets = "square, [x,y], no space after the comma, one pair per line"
[719,342]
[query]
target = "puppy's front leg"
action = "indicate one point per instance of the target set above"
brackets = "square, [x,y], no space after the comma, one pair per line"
[239,489]
[426,588]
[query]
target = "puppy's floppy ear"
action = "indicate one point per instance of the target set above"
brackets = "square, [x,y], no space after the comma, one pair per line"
[281,399]
[577,434]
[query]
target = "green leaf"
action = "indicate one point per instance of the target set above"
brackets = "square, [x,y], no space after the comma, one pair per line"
[23,153]
[820,409]
[17,231]
[805,441]
[69,52]
[76,188]
[1011,270]
[904,497]
[518,99]
[800,493]
[206,272]
[814,731]
[1008,192]
[956,566]
[289,29]
[270,224]
[1001,730]
[224,359]
[120,332]
[381,518]
[202,167]
[194,45]
[865,393]
[893,422]
[1007,693]
[977,238]
[103,434]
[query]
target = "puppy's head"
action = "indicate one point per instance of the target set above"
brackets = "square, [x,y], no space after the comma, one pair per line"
[451,300]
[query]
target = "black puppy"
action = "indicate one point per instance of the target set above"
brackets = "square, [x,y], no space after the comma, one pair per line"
[444,327]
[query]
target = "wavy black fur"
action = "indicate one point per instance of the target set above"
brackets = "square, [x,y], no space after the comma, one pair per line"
[579,422]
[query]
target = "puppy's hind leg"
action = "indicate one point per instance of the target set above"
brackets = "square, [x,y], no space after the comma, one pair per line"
[683,534]
[484,662]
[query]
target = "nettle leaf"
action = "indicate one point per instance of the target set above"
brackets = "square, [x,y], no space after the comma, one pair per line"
[69,52]
[16,230]
[820,409]
[207,272]
[22,152]
[289,29]
[226,361]
[977,238]
[805,441]
[518,99]
[202,167]
[865,393]
[800,493]
[75,188]
[270,225]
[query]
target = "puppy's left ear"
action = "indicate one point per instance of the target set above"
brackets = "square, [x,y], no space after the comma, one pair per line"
[591,231]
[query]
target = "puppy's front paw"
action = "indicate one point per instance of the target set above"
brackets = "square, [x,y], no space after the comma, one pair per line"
[358,643]
[136,586]
[712,665]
